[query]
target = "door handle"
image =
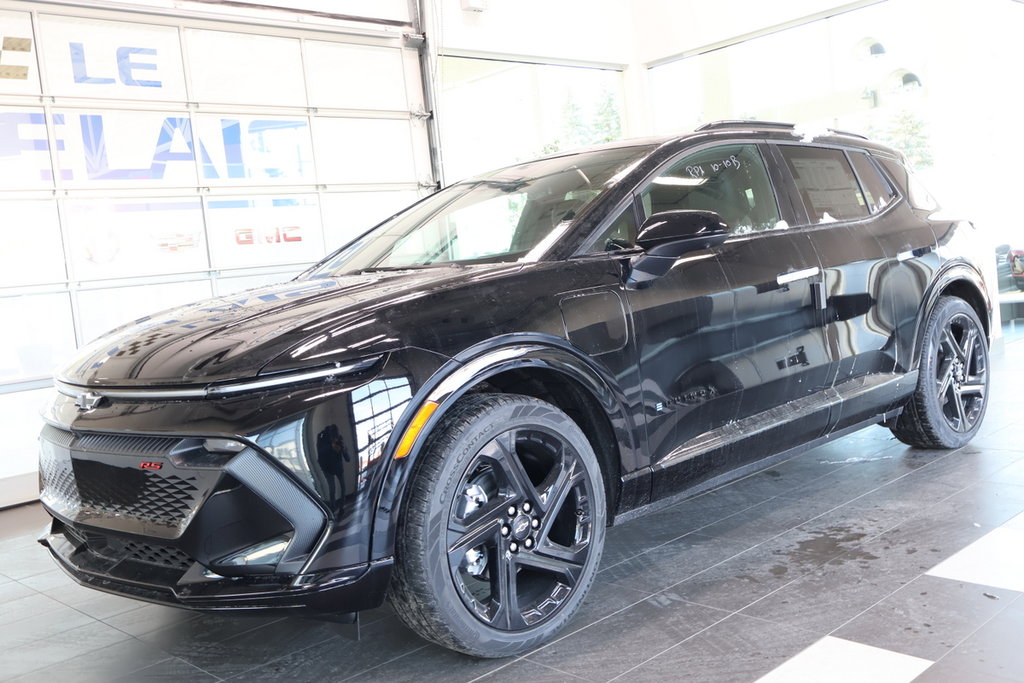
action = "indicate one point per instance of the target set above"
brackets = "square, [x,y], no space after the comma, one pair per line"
[913,253]
[797,275]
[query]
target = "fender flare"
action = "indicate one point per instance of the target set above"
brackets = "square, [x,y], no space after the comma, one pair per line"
[951,273]
[455,378]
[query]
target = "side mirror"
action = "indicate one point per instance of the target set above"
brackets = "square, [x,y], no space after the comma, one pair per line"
[667,235]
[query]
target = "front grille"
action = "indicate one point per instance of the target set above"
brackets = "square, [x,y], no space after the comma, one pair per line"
[162,556]
[143,494]
[119,549]
[96,479]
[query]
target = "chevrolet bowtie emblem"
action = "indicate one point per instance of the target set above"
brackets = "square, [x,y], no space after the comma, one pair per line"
[88,401]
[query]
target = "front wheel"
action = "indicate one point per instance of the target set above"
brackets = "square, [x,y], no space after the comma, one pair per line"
[502,529]
[949,403]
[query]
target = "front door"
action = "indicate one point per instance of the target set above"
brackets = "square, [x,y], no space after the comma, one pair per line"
[730,333]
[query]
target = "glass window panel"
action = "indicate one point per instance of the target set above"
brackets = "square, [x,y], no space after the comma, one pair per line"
[241,68]
[25,149]
[826,183]
[242,150]
[19,74]
[877,189]
[133,237]
[361,151]
[102,310]
[32,251]
[730,180]
[355,76]
[107,148]
[39,335]
[348,215]
[263,231]
[90,58]
[20,425]
[498,113]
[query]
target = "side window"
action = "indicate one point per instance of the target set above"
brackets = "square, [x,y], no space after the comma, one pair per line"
[826,183]
[621,234]
[919,197]
[877,190]
[730,180]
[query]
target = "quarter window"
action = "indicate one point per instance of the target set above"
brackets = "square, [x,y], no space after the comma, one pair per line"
[826,183]
[877,190]
[730,180]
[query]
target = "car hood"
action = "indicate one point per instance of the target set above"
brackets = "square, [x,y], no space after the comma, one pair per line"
[301,323]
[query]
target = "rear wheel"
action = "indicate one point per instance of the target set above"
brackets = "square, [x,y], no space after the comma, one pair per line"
[502,529]
[949,404]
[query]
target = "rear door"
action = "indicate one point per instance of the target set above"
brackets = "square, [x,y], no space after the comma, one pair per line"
[871,248]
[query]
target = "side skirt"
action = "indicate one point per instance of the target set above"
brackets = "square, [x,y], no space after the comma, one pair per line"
[891,388]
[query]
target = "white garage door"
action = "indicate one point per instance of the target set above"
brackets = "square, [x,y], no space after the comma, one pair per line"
[148,159]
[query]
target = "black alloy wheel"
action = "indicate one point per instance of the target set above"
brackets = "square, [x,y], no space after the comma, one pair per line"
[498,559]
[952,392]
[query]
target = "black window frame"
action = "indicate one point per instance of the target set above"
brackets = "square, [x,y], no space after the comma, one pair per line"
[803,219]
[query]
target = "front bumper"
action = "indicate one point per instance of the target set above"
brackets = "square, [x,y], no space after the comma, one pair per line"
[151,574]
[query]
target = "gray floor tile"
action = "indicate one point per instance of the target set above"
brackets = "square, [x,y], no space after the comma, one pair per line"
[927,618]
[993,651]
[120,659]
[739,649]
[603,599]
[613,645]
[339,657]
[255,647]
[525,670]
[746,578]
[431,663]
[26,561]
[146,618]
[59,586]
[671,563]
[24,617]
[171,670]
[44,652]
[767,520]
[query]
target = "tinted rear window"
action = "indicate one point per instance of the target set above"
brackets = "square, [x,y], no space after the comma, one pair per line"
[826,183]
[877,189]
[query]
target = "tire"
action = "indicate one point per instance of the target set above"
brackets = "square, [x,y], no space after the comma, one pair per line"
[502,527]
[949,404]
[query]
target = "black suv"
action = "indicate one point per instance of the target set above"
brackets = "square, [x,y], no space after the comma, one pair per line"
[450,409]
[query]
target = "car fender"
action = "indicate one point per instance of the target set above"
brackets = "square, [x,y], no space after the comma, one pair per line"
[957,274]
[467,369]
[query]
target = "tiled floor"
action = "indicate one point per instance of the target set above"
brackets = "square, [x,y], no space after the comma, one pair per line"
[860,560]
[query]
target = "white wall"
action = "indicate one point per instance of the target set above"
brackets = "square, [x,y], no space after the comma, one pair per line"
[666,28]
[596,31]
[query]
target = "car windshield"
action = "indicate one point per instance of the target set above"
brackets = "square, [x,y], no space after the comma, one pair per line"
[499,217]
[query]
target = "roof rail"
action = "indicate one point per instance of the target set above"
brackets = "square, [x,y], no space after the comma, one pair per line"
[751,123]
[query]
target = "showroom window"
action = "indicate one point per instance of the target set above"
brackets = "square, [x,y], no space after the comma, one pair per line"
[147,161]
[495,113]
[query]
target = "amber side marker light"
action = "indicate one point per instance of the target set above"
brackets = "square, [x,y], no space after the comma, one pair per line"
[422,415]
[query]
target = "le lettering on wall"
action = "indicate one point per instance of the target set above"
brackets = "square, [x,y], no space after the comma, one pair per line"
[86,58]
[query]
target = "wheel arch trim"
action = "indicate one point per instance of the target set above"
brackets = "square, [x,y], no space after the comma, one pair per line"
[953,274]
[468,369]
